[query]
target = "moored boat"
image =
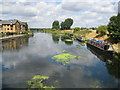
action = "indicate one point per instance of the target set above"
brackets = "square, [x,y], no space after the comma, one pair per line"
[100,45]
[81,38]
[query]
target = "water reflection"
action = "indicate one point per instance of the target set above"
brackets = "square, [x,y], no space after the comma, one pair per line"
[55,37]
[14,44]
[111,63]
[35,58]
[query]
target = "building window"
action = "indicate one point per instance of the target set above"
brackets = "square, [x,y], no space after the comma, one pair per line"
[8,29]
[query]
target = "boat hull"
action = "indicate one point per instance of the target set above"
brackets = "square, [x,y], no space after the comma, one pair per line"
[99,50]
[80,40]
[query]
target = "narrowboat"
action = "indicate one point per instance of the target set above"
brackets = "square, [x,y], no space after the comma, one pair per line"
[101,45]
[81,38]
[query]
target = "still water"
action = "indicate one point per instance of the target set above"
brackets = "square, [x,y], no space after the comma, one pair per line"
[22,58]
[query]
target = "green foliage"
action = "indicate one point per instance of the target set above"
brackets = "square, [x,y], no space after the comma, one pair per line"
[55,25]
[63,26]
[67,24]
[77,28]
[114,27]
[26,25]
[101,30]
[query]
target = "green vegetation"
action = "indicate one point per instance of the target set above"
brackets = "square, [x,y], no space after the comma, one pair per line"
[65,58]
[102,30]
[66,25]
[26,25]
[37,82]
[55,25]
[114,27]
[64,51]
[82,32]
[68,40]
[77,29]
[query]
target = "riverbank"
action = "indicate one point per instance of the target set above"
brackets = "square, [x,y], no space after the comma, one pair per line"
[89,34]
[14,36]
[94,35]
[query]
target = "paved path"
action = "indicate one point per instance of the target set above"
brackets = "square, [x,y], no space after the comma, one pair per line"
[11,36]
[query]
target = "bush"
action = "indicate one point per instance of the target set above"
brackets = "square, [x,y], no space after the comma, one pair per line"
[102,30]
[76,28]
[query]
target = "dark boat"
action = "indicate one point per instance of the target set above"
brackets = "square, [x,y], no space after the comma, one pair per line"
[81,38]
[70,34]
[101,45]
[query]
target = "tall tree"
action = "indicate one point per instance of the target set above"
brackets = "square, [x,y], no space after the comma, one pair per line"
[67,24]
[55,25]
[114,27]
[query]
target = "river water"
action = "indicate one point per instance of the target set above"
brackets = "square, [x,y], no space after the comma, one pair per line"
[22,58]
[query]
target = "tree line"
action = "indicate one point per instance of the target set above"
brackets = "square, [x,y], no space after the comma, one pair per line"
[65,25]
[112,29]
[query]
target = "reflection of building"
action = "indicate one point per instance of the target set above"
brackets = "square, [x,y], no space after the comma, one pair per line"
[12,25]
[15,44]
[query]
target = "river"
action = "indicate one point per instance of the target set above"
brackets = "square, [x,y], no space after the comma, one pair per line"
[22,58]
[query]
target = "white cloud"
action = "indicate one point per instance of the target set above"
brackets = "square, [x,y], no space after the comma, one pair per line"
[41,13]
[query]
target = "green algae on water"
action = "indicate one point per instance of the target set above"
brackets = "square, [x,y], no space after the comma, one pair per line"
[64,51]
[64,57]
[68,40]
[37,82]
[78,45]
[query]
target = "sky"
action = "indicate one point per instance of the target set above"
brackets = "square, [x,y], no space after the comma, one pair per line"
[42,13]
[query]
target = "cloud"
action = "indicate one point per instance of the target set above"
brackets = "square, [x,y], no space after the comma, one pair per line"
[41,13]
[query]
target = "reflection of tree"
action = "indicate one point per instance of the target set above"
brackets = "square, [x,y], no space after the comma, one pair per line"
[15,44]
[113,68]
[112,64]
[55,38]
[66,36]
[63,37]
[69,43]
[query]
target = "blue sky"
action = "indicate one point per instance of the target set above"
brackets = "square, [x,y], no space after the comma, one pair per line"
[41,13]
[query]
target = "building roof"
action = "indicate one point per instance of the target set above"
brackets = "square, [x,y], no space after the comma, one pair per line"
[11,21]
[23,23]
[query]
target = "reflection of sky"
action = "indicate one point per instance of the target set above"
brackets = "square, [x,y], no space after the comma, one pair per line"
[35,59]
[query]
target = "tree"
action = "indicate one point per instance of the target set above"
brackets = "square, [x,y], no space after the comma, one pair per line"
[55,25]
[77,28]
[67,24]
[102,30]
[114,27]
[26,26]
[63,26]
